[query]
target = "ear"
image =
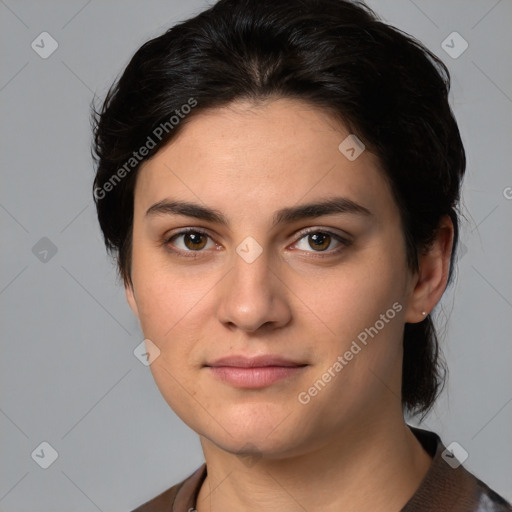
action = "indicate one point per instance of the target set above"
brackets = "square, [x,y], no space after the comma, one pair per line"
[431,279]
[130,297]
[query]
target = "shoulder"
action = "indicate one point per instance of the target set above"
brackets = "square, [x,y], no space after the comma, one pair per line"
[161,502]
[450,486]
[184,491]
[489,501]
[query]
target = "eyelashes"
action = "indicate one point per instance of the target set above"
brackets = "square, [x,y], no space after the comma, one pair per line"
[195,242]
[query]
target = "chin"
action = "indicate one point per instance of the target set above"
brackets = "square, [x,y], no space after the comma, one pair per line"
[271,436]
[252,446]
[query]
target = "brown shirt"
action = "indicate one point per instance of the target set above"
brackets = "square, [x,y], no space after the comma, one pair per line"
[444,488]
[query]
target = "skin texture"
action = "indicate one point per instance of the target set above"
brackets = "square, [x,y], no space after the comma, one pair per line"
[348,448]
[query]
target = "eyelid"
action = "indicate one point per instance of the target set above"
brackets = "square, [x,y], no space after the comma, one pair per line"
[346,237]
[345,241]
[167,239]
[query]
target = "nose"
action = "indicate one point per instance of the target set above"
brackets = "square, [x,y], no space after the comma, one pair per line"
[253,297]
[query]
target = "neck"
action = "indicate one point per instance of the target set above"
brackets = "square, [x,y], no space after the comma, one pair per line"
[377,466]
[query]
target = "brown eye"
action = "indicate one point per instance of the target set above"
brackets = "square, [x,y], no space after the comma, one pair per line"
[194,241]
[319,241]
[189,241]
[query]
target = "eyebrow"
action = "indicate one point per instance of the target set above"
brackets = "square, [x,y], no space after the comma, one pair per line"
[335,205]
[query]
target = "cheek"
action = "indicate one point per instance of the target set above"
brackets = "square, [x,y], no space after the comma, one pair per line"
[351,297]
[166,314]
[162,296]
[360,308]
[174,309]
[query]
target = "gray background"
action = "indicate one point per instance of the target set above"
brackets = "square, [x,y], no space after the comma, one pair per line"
[68,373]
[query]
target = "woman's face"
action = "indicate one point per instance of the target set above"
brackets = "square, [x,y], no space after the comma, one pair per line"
[327,290]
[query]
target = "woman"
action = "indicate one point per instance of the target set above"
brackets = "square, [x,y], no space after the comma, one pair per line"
[279,181]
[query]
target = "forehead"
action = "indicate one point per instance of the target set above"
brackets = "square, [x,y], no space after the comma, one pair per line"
[257,156]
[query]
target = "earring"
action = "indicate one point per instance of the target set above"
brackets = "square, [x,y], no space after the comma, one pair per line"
[424,313]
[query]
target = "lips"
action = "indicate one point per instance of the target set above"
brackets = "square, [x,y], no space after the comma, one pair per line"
[254,362]
[254,372]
